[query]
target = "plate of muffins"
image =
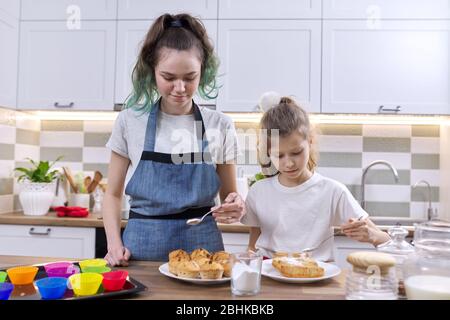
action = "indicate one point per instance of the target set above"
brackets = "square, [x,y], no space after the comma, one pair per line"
[199,266]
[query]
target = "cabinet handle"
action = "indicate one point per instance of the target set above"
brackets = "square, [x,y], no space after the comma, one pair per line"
[36,233]
[382,109]
[57,105]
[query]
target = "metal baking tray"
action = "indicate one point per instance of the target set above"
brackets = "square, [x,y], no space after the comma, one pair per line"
[31,292]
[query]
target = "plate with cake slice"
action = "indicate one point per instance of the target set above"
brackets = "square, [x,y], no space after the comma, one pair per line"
[298,270]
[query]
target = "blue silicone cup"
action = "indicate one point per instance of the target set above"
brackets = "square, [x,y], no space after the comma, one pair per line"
[6,289]
[52,288]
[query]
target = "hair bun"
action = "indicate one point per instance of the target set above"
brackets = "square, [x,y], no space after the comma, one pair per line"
[269,100]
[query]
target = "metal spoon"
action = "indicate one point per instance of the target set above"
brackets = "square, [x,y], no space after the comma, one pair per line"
[195,221]
[315,247]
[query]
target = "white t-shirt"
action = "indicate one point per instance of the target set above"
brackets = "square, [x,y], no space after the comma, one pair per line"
[295,218]
[174,134]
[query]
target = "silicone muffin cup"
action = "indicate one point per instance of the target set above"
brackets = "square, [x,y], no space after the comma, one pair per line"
[52,288]
[3,276]
[5,290]
[22,275]
[85,284]
[92,263]
[114,280]
[60,269]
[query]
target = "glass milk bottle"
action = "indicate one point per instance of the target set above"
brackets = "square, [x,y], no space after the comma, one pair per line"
[427,270]
[399,249]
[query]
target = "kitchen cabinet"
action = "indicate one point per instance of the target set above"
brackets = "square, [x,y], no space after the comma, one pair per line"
[144,9]
[47,241]
[10,8]
[64,68]
[235,242]
[268,9]
[69,9]
[9,35]
[130,37]
[386,9]
[397,65]
[268,55]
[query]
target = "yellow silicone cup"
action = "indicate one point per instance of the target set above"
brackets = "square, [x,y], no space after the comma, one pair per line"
[85,284]
[22,275]
[92,263]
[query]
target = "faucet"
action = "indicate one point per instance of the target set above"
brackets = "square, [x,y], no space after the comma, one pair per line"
[363,179]
[430,213]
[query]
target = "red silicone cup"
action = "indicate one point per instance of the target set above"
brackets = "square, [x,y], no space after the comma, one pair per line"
[114,280]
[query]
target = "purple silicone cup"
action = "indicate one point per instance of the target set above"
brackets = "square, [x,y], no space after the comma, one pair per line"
[60,269]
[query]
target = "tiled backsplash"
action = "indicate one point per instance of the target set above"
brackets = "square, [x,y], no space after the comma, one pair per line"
[344,150]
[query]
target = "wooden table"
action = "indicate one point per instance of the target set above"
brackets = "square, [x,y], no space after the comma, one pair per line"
[161,287]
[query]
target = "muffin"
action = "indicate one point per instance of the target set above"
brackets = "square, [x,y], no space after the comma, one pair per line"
[201,260]
[188,269]
[220,255]
[211,270]
[179,253]
[200,253]
[226,265]
[173,264]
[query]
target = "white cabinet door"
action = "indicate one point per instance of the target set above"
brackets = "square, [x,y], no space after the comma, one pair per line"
[343,246]
[386,9]
[47,241]
[130,38]
[9,37]
[268,55]
[235,242]
[401,63]
[10,8]
[145,9]
[69,9]
[61,68]
[269,9]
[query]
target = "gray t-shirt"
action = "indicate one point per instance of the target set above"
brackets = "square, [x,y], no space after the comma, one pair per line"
[174,134]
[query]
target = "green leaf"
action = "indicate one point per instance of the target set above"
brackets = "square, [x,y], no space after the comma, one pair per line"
[39,172]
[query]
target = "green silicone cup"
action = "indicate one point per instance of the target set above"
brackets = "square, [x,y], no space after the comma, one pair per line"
[3,276]
[96,269]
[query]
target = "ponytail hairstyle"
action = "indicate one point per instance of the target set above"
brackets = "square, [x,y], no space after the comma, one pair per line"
[179,32]
[286,117]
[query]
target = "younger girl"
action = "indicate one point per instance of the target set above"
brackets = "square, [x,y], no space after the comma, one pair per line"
[297,207]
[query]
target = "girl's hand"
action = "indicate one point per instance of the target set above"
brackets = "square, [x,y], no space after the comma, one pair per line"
[118,256]
[364,231]
[231,210]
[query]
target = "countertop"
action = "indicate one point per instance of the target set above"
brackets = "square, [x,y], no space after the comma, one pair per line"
[94,220]
[165,288]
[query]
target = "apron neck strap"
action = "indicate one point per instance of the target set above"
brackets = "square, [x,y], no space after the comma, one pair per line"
[150,134]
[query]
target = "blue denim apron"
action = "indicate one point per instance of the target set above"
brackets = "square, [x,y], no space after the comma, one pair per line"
[167,189]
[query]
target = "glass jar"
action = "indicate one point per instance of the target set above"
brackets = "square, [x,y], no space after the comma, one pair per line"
[399,249]
[372,277]
[427,270]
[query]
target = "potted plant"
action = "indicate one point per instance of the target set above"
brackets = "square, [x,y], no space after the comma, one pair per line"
[37,187]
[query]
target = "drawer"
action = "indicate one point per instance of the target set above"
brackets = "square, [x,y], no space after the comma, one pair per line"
[47,241]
